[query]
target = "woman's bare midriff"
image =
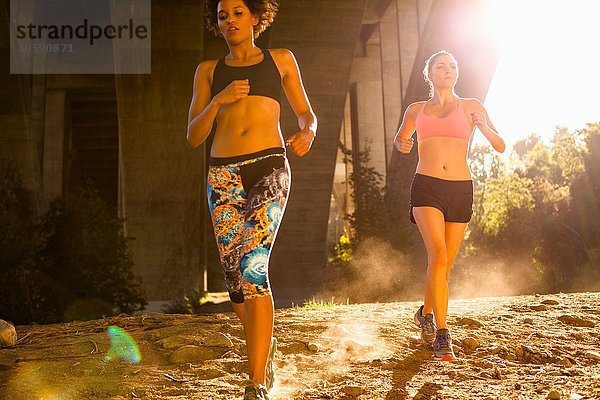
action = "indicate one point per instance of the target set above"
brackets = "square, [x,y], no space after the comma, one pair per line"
[444,158]
[247,126]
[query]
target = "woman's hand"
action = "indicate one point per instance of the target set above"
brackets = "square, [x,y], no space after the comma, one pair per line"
[301,142]
[403,145]
[479,119]
[233,92]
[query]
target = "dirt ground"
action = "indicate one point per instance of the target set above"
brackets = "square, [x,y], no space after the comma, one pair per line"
[525,347]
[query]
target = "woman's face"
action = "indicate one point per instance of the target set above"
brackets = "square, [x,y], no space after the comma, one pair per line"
[444,72]
[235,20]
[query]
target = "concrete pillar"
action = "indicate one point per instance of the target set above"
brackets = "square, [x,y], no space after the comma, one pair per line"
[390,75]
[323,36]
[366,75]
[411,17]
[162,181]
[54,145]
[18,142]
[370,123]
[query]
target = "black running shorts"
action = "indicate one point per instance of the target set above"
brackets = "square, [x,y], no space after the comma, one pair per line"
[453,198]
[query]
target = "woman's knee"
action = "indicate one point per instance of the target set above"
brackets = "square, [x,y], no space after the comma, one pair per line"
[438,259]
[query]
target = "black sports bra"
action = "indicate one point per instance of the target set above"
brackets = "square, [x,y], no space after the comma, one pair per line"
[264,77]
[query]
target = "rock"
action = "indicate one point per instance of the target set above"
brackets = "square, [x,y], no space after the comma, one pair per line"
[554,395]
[519,352]
[498,374]
[353,390]
[565,363]
[414,341]
[538,307]
[574,320]
[550,302]
[209,373]
[8,334]
[592,355]
[313,347]
[470,322]
[495,349]
[578,335]
[484,364]
[174,342]
[194,354]
[528,320]
[470,343]
[295,347]
[218,339]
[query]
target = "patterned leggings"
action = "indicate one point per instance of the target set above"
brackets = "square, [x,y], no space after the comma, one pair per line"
[247,197]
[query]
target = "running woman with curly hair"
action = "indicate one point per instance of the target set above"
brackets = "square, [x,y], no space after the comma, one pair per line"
[249,176]
[441,195]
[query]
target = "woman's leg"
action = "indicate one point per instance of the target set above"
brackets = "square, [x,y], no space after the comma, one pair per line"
[258,327]
[454,235]
[265,206]
[430,222]
[227,202]
[238,309]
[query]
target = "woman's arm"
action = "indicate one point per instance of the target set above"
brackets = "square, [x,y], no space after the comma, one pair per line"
[482,120]
[301,142]
[203,109]
[403,139]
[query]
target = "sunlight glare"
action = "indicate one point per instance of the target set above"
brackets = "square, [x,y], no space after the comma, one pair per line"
[546,75]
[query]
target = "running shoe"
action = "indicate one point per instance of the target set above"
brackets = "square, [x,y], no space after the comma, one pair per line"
[442,346]
[270,373]
[255,391]
[427,326]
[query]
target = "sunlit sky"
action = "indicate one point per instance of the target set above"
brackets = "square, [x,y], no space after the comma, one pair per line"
[549,70]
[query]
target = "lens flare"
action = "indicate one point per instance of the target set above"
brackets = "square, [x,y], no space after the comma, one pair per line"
[122,346]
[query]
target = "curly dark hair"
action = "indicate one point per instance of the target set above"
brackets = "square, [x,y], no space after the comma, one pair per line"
[264,9]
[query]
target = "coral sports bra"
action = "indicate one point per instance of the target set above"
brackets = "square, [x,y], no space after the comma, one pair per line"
[456,124]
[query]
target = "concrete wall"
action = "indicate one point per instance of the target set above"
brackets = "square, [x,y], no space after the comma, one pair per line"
[162,177]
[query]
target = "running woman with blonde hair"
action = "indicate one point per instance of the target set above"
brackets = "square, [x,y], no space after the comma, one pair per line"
[249,176]
[441,194]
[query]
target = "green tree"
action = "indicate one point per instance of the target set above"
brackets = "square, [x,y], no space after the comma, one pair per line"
[73,264]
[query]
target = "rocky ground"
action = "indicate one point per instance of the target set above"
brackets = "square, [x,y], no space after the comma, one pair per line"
[526,347]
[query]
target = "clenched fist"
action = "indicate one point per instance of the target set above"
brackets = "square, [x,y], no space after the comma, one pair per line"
[403,145]
[301,142]
[233,92]
[479,119]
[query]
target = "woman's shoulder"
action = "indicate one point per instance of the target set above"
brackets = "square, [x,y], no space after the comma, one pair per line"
[418,104]
[414,108]
[281,54]
[205,69]
[207,64]
[471,103]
